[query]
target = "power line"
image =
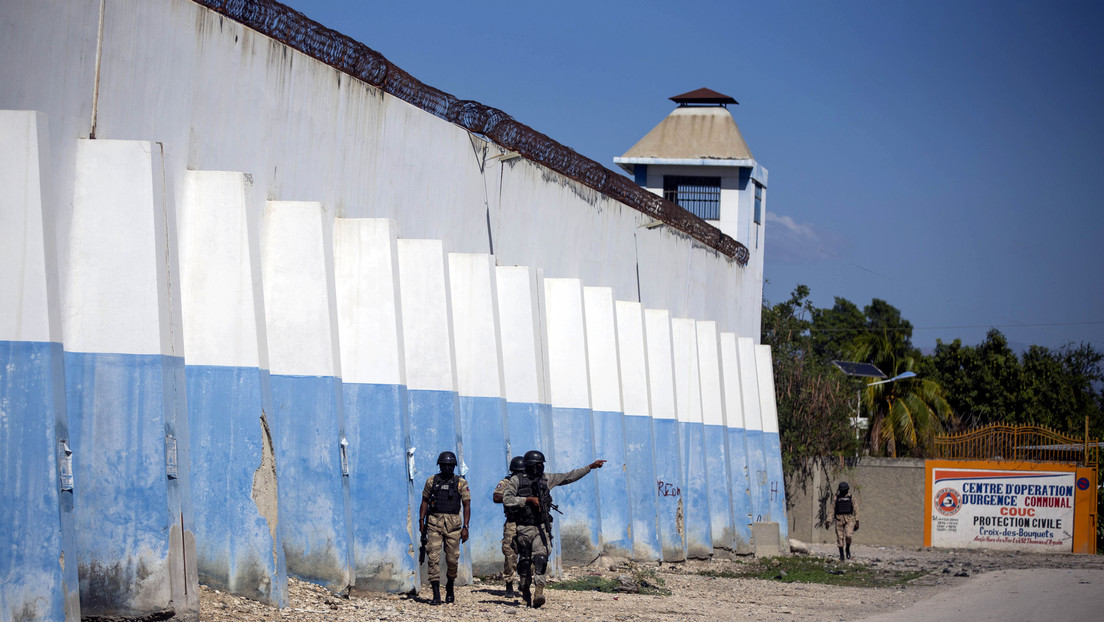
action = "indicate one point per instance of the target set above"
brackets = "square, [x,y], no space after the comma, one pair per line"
[871,329]
[1032,325]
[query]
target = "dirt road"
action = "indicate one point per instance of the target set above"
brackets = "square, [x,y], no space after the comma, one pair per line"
[952,577]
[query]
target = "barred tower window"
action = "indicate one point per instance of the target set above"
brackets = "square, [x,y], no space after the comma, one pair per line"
[699,195]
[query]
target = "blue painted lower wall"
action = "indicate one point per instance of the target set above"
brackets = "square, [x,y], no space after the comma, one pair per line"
[313,496]
[36,520]
[483,427]
[670,500]
[233,486]
[384,533]
[640,474]
[740,488]
[612,483]
[580,523]
[529,427]
[682,487]
[434,427]
[757,475]
[776,488]
[695,489]
[721,524]
[116,406]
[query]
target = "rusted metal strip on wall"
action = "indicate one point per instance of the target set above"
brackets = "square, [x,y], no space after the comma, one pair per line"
[1018,442]
[294,29]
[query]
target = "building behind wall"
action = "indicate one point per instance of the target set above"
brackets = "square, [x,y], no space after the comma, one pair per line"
[352,191]
[697,157]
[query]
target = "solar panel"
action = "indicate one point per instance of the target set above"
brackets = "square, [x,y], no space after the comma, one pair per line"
[866,370]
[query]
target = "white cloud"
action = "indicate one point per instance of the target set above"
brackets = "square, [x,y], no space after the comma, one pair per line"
[793,242]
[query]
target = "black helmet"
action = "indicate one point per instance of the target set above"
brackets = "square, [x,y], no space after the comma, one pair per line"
[447,457]
[517,464]
[843,488]
[534,463]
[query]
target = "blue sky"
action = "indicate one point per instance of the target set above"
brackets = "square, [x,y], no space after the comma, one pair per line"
[944,156]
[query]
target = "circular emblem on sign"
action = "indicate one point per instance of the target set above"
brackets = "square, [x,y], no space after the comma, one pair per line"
[1082,483]
[947,502]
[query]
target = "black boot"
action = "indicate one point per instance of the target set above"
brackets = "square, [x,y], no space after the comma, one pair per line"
[510,590]
[849,551]
[525,595]
[436,585]
[841,553]
[449,596]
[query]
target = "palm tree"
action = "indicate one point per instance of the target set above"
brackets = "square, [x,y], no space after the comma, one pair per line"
[905,415]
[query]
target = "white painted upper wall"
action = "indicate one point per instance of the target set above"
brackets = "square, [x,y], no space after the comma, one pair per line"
[661,372]
[475,325]
[296,250]
[712,390]
[28,259]
[602,355]
[632,358]
[749,384]
[221,97]
[520,323]
[366,274]
[730,372]
[119,254]
[220,271]
[684,342]
[767,402]
[426,315]
[568,379]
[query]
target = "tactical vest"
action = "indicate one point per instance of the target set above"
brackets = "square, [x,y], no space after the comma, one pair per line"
[511,513]
[844,505]
[527,514]
[444,498]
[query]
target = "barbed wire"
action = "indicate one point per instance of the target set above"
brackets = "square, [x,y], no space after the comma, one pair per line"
[349,56]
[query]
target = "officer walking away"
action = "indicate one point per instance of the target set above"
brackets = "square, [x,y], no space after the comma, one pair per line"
[845,514]
[442,498]
[509,528]
[529,493]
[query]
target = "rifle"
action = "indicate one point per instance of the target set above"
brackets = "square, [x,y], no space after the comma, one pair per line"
[544,526]
[425,541]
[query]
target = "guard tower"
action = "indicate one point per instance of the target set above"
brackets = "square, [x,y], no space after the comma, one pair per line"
[697,158]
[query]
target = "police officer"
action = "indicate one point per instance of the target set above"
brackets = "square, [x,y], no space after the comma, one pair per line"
[442,498]
[845,514]
[529,492]
[509,528]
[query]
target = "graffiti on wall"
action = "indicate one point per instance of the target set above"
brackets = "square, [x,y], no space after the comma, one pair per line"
[667,489]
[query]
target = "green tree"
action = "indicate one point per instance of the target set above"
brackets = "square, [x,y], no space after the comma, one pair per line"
[906,415]
[981,382]
[838,331]
[1058,390]
[885,318]
[813,414]
[989,383]
[836,328]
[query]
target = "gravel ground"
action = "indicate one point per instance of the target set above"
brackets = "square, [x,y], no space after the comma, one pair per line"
[694,597]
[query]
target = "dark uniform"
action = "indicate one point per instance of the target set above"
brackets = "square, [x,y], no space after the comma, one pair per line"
[529,492]
[845,514]
[509,528]
[442,499]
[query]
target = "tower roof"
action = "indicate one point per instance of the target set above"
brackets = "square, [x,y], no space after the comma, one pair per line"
[692,133]
[703,96]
